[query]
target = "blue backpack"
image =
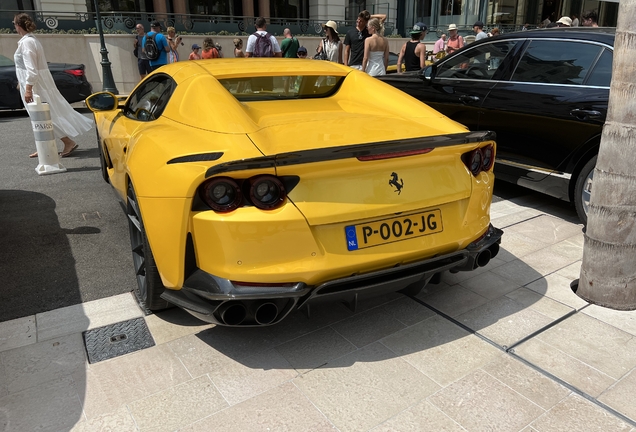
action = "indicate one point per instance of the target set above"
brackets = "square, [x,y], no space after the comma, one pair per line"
[263,46]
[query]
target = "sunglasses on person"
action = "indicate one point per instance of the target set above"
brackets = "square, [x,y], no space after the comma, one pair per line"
[302,54]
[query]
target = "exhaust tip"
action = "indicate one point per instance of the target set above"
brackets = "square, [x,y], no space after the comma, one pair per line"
[234,314]
[483,258]
[494,250]
[266,313]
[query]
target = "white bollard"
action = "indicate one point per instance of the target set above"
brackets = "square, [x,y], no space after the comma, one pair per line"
[48,158]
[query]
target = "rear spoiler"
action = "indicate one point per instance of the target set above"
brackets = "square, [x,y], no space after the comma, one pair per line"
[351,151]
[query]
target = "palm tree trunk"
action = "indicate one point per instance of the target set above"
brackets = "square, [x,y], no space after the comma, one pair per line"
[608,273]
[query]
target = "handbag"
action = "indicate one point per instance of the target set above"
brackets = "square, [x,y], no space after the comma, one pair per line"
[322,55]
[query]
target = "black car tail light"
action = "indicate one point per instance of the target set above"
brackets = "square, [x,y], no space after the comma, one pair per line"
[266,192]
[488,153]
[481,159]
[76,72]
[475,161]
[222,194]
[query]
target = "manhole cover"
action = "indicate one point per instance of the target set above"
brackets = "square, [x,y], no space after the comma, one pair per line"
[117,339]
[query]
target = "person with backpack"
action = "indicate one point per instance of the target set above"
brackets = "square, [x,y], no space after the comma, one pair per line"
[156,46]
[289,46]
[261,43]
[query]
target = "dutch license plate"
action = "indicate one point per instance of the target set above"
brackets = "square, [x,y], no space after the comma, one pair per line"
[395,229]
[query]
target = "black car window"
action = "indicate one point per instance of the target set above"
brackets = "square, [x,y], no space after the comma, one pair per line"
[149,99]
[601,74]
[556,62]
[479,63]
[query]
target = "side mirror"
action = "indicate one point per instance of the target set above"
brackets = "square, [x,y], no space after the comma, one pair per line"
[102,101]
[427,74]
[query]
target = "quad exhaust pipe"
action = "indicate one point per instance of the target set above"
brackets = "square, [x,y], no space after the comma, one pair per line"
[234,313]
[485,256]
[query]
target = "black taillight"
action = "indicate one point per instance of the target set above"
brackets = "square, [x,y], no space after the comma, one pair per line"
[488,153]
[266,192]
[481,159]
[222,194]
[475,161]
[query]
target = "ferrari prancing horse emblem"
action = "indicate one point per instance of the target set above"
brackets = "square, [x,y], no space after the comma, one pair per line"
[398,184]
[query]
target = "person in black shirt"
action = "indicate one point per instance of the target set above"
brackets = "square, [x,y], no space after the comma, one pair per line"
[354,40]
[413,55]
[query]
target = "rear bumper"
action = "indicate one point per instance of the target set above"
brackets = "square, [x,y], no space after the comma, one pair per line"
[217,300]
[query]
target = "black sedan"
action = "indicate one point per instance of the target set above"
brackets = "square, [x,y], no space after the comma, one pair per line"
[69,79]
[544,92]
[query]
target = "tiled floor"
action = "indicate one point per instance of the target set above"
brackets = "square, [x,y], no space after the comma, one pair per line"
[437,362]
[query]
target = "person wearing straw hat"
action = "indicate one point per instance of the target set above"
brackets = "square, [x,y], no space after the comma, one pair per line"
[331,45]
[455,41]
[413,53]
[564,21]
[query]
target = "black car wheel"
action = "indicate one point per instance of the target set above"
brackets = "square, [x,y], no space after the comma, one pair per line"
[102,158]
[583,190]
[149,285]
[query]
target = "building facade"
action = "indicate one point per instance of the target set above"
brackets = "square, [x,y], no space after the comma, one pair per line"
[305,16]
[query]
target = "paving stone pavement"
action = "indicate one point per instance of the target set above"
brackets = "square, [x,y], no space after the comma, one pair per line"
[507,347]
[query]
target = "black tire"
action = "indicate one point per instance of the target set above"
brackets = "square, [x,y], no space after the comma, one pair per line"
[583,189]
[149,285]
[102,159]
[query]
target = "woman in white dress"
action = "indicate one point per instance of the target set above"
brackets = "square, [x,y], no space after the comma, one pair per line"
[34,77]
[376,49]
[331,44]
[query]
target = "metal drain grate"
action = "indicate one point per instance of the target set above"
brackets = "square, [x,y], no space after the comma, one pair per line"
[117,339]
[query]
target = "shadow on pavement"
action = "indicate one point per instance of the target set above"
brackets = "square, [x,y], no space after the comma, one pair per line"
[405,325]
[36,260]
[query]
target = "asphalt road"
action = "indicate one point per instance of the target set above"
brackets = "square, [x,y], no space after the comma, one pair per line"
[64,237]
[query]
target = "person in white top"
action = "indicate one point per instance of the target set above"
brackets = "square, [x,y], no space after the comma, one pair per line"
[331,44]
[261,29]
[34,77]
[376,49]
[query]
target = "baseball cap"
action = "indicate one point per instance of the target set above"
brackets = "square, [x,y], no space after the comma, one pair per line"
[302,49]
[478,24]
[195,46]
[155,24]
[331,24]
[565,21]
[418,28]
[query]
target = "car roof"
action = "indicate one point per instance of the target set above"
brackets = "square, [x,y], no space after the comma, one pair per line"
[597,34]
[249,67]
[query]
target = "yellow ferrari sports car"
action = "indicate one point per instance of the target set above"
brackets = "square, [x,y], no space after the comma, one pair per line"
[254,187]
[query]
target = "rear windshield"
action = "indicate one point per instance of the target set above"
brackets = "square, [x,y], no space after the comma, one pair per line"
[282,87]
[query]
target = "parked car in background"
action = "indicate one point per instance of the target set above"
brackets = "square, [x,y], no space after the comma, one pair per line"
[251,193]
[392,66]
[545,94]
[69,79]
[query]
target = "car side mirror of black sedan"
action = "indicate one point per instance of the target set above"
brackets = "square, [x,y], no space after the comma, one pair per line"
[426,74]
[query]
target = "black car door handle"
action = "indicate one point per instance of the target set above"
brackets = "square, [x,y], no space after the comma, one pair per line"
[585,114]
[469,99]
